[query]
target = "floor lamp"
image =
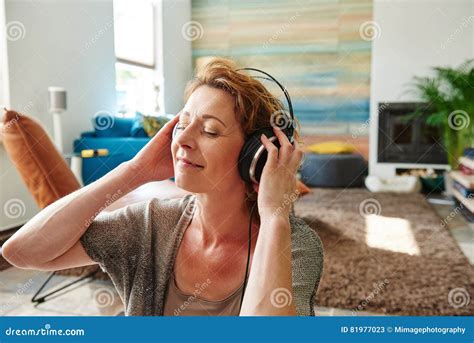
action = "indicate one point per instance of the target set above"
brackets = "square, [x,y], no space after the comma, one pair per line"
[57,105]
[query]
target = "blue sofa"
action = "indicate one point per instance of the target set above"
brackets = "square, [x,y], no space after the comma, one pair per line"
[123,137]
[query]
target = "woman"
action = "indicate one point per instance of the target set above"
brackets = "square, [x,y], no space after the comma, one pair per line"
[189,256]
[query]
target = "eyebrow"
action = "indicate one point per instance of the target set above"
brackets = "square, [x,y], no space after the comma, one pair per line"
[206,116]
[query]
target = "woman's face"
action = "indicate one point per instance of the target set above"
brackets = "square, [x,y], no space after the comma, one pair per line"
[207,143]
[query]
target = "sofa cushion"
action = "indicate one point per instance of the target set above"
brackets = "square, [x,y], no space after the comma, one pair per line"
[333,170]
[332,147]
[106,125]
[41,166]
[137,129]
[121,149]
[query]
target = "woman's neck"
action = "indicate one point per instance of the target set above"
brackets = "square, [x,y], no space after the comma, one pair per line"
[223,217]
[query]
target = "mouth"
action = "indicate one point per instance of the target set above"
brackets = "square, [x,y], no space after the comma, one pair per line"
[187,163]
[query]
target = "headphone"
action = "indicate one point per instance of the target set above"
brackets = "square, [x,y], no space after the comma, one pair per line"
[253,155]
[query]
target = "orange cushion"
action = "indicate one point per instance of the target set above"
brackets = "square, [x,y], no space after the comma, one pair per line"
[41,166]
[302,188]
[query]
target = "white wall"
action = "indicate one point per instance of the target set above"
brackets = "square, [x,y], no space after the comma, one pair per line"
[414,36]
[64,43]
[3,59]
[174,52]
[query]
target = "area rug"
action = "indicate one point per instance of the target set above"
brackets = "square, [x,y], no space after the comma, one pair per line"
[387,253]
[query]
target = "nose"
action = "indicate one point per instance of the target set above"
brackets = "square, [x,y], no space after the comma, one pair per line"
[184,137]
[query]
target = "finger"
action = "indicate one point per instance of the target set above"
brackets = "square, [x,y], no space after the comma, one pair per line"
[167,129]
[296,158]
[255,187]
[286,148]
[282,138]
[272,150]
[169,126]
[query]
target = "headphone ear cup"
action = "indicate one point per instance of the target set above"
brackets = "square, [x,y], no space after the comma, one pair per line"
[253,155]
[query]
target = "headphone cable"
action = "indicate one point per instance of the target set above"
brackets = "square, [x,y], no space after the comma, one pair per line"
[248,255]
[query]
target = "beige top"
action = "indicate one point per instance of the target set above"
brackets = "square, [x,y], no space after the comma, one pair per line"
[177,303]
[137,246]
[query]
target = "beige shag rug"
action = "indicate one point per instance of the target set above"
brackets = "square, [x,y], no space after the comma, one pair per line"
[387,253]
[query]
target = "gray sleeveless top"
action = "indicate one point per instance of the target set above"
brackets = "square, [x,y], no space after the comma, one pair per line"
[178,303]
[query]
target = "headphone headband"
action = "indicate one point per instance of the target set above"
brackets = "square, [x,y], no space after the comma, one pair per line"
[285,92]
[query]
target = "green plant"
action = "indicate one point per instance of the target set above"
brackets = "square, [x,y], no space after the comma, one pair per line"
[450,98]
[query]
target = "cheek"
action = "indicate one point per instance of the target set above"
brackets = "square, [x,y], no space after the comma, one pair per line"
[174,148]
[224,158]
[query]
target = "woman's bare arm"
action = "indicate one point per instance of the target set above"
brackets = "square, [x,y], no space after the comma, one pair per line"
[271,274]
[50,240]
[269,290]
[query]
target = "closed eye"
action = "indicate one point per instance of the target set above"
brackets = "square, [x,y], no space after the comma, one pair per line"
[209,133]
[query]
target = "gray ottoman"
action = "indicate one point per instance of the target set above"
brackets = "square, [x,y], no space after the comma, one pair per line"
[338,170]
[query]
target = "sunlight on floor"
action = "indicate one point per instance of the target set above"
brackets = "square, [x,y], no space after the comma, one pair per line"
[389,233]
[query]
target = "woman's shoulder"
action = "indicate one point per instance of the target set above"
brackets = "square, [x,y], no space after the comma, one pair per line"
[171,210]
[170,205]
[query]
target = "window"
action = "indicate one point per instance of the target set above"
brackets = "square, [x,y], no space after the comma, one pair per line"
[135,52]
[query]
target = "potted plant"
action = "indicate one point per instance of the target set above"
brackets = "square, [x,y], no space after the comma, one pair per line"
[450,98]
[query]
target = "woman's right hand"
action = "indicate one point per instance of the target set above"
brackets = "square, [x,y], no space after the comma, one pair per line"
[154,161]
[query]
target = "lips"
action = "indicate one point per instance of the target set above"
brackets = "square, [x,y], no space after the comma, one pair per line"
[188,162]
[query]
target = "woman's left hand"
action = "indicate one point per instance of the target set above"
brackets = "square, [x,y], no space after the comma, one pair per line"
[277,187]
